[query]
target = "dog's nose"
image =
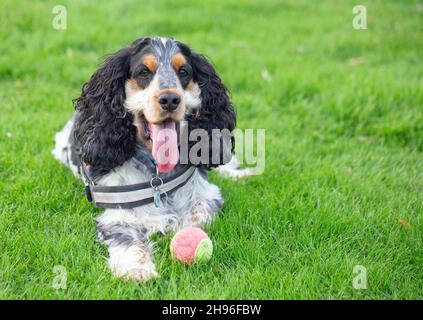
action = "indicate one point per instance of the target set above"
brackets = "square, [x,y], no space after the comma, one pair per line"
[169,101]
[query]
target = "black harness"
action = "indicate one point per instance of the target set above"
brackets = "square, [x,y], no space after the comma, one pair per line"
[134,195]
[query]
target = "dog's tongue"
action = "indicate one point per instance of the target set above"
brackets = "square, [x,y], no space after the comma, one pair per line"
[165,145]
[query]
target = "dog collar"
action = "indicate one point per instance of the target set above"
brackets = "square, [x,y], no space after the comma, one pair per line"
[135,195]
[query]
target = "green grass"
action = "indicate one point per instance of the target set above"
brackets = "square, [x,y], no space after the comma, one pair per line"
[344,148]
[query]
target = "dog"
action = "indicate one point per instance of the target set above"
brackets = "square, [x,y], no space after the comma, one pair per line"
[151,86]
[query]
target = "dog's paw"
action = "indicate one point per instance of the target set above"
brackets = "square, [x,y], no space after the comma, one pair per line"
[232,171]
[132,263]
[199,216]
[141,273]
[234,174]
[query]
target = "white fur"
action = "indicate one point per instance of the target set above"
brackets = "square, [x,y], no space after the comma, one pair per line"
[193,98]
[172,214]
[231,170]
[186,206]
[62,151]
[164,40]
[138,100]
[195,203]
[132,262]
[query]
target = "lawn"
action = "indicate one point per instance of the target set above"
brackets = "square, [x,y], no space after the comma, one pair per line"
[343,184]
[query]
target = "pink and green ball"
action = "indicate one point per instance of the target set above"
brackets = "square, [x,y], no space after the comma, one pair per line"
[191,245]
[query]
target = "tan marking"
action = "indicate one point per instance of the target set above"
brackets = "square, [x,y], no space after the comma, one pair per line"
[190,85]
[149,60]
[178,60]
[193,88]
[133,85]
[158,93]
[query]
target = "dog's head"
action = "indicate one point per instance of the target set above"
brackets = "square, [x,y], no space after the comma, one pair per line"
[142,89]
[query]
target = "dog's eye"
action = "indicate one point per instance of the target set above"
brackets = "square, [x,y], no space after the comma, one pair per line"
[145,72]
[183,72]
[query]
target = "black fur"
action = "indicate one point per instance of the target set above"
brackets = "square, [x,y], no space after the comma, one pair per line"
[216,111]
[104,132]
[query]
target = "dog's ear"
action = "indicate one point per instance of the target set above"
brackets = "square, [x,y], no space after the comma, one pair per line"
[216,110]
[104,131]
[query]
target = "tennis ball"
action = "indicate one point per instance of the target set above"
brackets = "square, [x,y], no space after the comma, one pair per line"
[191,245]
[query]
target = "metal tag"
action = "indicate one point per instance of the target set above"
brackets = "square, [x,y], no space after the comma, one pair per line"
[157,199]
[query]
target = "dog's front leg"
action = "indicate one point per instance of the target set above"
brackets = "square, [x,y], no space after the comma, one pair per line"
[130,255]
[208,202]
[132,261]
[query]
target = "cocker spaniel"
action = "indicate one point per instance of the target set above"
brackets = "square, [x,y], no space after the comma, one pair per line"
[124,141]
